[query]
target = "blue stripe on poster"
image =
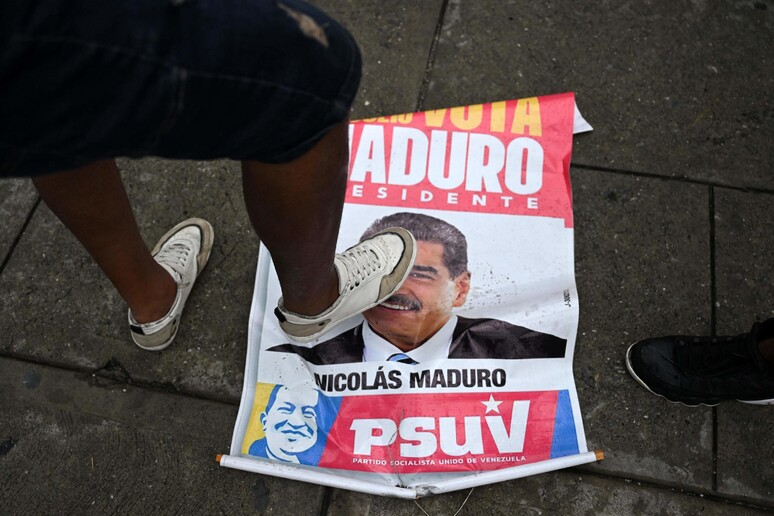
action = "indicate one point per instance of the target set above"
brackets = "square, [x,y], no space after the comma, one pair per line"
[565,441]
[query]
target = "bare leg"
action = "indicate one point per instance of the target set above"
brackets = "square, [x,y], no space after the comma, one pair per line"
[92,203]
[296,210]
[294,207]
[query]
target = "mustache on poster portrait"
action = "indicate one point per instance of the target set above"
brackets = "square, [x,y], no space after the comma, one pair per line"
[403,301]
[294,430]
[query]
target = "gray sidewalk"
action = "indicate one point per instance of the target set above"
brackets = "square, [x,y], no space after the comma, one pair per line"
[674,210]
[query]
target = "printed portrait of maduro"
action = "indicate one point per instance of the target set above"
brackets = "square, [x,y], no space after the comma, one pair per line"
[295,424]
[416,324]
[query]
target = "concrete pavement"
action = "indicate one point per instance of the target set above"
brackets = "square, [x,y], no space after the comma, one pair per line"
[674,210]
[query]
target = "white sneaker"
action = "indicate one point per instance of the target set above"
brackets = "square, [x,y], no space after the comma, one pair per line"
[183,251]
[369,273]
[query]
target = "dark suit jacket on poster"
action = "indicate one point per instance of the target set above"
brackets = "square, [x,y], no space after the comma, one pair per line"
[472,338]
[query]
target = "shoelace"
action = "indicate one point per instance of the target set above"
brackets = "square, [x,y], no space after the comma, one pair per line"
[361,262]
[723,356]
[175,256]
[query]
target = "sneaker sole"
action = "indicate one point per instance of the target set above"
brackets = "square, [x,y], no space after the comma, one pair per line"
[401,271]
[208,237]
[710,403]
[300,332]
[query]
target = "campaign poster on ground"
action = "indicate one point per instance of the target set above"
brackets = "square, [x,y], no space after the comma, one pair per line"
[464,376]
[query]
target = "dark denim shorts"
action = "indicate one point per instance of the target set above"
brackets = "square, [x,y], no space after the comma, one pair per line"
[82,80]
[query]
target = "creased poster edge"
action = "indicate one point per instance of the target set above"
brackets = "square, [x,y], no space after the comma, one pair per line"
[257,310]
[419,491]
[580,125]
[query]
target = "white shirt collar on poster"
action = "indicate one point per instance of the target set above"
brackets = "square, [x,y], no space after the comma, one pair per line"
[436,348]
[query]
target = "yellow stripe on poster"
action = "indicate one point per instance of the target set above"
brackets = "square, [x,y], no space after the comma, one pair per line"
[254,429]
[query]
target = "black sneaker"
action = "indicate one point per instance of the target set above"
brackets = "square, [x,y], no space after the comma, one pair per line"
[705,370]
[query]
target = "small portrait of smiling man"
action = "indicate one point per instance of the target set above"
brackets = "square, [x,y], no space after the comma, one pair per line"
[291,425]
[417,323]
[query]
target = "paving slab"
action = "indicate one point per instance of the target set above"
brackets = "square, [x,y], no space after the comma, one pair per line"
[565,492]
[672,88]
[395,39]
[745,290]
[17,198]
[59,309]
[72,443]
[642,268]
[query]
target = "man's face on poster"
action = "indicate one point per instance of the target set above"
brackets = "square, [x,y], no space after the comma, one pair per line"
[290,424]
[423,304]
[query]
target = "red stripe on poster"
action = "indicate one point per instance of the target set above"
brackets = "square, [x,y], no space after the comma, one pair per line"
[509,157]
[441,432]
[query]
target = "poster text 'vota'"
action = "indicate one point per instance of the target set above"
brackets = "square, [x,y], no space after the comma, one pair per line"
[473,158]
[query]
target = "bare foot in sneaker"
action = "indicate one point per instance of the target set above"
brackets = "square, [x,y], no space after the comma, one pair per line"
[296,208]
[161,293]
[183,252]
[369,273]
[92,203]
